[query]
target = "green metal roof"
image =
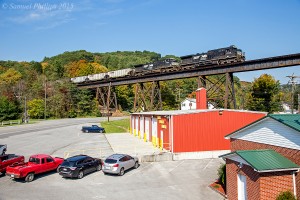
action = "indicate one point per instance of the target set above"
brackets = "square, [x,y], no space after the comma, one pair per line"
[265,160]
[291,120]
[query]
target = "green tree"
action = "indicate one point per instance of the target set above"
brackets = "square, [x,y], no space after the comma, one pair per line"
[84,103]
[8,109]
[125,96]
[287,195]
[264,94]
[168,97]
[36,108]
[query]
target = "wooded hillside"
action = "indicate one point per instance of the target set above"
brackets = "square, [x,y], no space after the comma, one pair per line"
[51,77]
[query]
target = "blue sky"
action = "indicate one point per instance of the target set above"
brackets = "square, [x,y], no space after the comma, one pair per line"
[33,29]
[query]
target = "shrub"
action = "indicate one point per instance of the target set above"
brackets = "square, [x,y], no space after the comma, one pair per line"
[287,195]
[222,174]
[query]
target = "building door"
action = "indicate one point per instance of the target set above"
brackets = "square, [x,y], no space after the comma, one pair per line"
[154,132]
[161,139]
[132,125]
[137,126]
[147,129]
[242,187]
[141,128]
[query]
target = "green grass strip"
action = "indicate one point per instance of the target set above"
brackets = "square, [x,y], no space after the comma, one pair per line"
[117,126]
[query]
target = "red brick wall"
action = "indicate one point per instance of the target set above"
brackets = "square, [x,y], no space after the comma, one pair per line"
[292,154]
[260,186]
[232,171]
[271,184]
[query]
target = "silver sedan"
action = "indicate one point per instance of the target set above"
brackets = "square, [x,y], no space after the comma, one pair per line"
[119,163]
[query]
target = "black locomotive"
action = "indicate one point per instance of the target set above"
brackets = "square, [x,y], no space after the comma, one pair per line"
[220,56]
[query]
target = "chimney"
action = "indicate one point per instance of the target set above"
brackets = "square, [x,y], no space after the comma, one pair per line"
[201,98]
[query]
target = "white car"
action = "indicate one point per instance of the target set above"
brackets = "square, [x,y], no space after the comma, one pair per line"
[119,163]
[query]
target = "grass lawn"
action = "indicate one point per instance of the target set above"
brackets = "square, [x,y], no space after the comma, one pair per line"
[118,126]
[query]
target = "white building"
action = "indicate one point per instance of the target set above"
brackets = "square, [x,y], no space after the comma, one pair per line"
[190,104]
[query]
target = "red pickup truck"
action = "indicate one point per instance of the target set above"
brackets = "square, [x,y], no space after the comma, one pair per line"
[9,159]
[37,164]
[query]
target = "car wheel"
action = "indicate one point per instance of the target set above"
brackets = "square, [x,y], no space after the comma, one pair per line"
[99,167]
[100,131]
[136,165]
[57,169]
[86,131]
[121,173]
[29,177]
[80,175]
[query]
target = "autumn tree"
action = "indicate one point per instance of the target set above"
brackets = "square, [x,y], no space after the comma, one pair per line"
[264,95]
[83,68]
[36,108]
[8,80]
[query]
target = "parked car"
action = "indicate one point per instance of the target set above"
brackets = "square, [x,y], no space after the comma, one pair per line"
[37,164]
[119,163]
[93,129]
[9,159]
[3,148]
[78,166]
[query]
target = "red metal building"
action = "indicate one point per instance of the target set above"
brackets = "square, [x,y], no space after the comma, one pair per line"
[191,130]
[197,133]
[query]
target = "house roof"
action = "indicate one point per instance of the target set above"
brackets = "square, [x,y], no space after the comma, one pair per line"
[290,120]
[264,160]
[189,99]
[182,112]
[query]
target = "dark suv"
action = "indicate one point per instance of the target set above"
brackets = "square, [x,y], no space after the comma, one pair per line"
[78,166]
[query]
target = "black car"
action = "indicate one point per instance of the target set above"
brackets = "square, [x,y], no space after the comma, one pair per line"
[93,129]
[78,166]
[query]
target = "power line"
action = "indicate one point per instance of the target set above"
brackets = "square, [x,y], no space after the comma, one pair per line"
[293,82]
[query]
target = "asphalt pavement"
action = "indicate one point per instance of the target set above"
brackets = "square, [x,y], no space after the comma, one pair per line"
[186,179]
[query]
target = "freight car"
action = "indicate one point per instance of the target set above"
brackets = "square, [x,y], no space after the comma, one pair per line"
[219,56]
[103,76]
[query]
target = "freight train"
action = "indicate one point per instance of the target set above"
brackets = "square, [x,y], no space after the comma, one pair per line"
[215,57]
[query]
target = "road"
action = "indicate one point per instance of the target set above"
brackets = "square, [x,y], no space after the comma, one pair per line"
[186,179]
[52,137]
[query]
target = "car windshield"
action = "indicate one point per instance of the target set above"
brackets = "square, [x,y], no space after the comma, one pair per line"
[68,164]
[110,161]
[34,160]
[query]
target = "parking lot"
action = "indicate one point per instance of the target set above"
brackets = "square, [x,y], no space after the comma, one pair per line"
[186,179]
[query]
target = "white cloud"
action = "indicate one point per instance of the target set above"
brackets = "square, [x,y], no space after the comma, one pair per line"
[53,24]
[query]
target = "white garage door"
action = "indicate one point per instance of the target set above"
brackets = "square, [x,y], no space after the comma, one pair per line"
[154,132]
[147,128]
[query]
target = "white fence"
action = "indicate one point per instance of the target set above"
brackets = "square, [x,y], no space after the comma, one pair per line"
[9,123]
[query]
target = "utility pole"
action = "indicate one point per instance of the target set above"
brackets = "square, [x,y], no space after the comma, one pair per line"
[293,82]
[25,111]
[45,100]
